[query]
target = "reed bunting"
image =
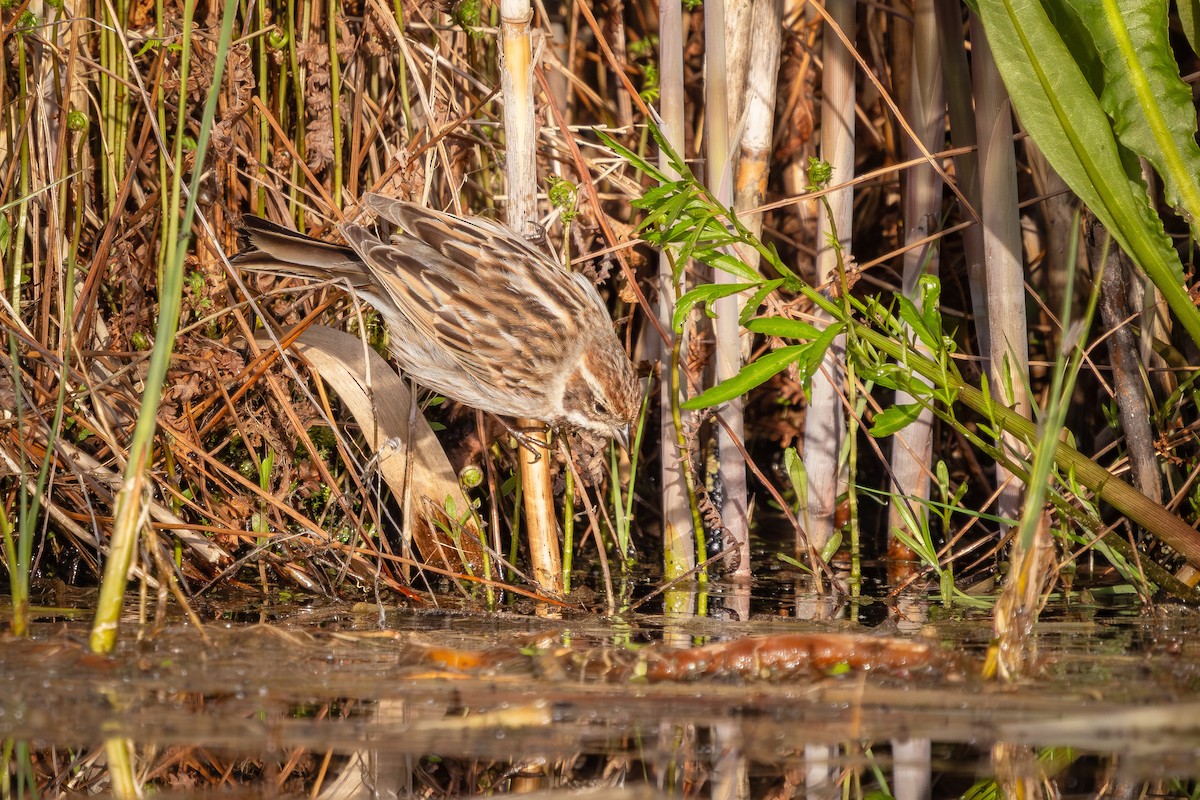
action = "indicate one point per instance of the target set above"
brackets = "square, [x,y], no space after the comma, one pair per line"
[474,312]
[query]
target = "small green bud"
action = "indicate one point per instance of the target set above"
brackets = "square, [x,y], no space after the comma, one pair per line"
[470,476]
[140,341]
[563,196]
[642,47]
[468,14]
[277,39]
[77,121]
[819,173]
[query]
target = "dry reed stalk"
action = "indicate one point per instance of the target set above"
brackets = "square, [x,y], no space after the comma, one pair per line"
[679,534]
[825,422]
[925,107]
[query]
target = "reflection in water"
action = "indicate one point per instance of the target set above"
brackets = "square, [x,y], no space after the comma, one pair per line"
[457,704]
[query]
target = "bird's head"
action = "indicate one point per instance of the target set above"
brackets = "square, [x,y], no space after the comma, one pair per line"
[602,393]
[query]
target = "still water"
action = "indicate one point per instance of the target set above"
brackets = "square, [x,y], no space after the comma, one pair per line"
[334,700]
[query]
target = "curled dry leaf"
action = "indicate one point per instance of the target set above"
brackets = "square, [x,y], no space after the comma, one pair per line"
[382,406]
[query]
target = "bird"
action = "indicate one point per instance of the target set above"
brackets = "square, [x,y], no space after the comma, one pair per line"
[474,311]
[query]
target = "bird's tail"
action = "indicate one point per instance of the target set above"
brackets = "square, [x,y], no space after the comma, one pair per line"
[271,248]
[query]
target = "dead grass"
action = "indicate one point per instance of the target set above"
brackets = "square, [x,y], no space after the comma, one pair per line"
[259,479]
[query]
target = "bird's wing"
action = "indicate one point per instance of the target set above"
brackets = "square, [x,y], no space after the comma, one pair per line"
[467,239]
[506,313]
[449,233]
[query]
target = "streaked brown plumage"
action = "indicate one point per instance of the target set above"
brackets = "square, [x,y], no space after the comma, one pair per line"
[475,313]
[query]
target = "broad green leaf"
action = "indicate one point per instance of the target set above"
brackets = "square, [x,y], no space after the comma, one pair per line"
[731,264]
[751,375]
[706,294]
[1189,16]
[1150,105]
[784,328]
[1083,50]
[895,418]
[1063,115]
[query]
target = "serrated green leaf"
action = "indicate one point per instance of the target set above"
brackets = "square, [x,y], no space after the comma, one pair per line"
[1150,105]
[814,352]
[911,315]
[755,300]
[638,162]
[929,290]
[796,472]
[1189,17]
[1063,115]
[888,376]
[655,195]
[673,158]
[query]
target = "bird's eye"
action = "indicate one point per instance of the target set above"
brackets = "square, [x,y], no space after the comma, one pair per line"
[599,408]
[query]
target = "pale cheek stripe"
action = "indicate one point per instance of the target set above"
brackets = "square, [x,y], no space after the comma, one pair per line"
[592,381]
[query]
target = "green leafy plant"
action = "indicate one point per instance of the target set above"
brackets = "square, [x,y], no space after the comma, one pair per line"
[1097,86]
[687,223]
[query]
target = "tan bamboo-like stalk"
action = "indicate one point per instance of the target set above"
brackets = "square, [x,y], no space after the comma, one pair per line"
[825,426]
[1008,367]
[728,357]
[679,536]
[798,15]
[922,98]
[762,40]
[912,448]
[617,27]
[1058,207]
[740,49]
[726,52]
[1008,358]
[726,33]
[758,117]
[520,136]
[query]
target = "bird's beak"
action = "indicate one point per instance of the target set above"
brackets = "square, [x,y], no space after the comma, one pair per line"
[621,437]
